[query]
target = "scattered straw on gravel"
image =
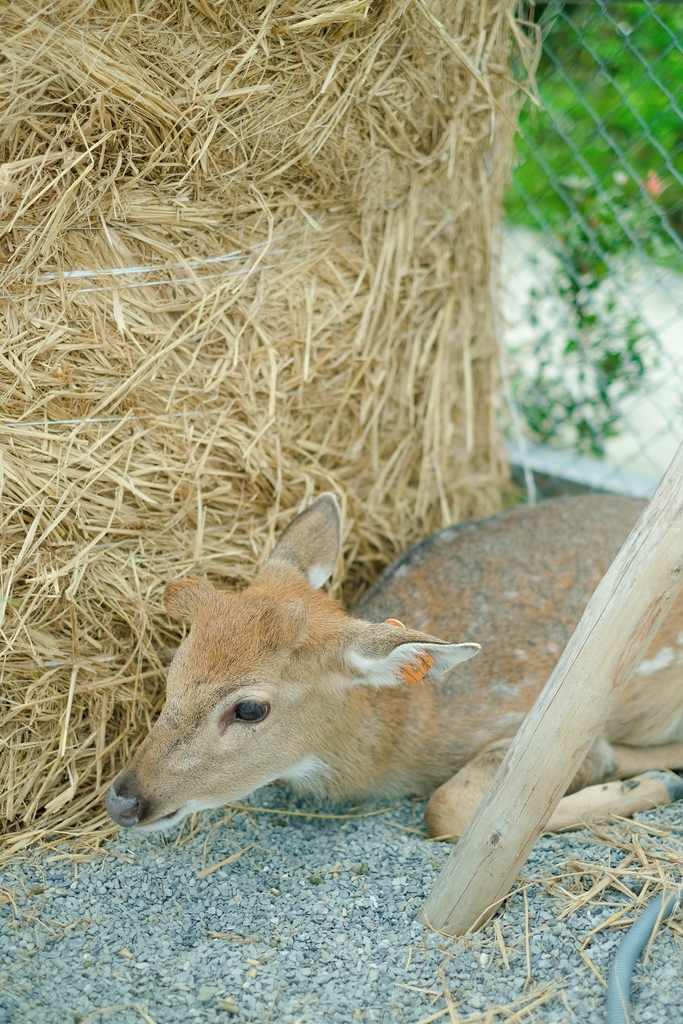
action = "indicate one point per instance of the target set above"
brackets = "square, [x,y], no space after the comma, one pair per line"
[247,255]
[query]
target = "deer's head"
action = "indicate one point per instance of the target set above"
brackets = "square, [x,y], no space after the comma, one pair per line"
[261,681]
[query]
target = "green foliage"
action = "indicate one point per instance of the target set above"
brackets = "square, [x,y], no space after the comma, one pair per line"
[612,90]
[599,172]
[587,352]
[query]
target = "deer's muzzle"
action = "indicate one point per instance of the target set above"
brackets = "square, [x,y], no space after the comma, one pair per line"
[123,802]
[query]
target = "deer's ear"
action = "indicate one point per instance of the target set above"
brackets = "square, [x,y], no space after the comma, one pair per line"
[387,655]
[184,598]
[311,542]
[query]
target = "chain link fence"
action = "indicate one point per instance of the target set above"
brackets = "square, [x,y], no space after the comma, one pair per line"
[593,247]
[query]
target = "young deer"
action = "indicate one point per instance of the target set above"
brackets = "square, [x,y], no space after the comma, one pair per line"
[278,682]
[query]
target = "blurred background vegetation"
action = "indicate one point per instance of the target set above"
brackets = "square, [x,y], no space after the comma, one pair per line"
[599,176]
[611,83]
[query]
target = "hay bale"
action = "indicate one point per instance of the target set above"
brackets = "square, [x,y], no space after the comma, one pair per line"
[247,257]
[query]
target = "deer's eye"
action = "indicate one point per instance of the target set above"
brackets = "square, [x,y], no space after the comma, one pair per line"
[250,711]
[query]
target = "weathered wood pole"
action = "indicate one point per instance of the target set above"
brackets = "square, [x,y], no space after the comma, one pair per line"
[613,634]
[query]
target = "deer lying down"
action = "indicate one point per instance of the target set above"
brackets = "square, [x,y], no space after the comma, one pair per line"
[278,682]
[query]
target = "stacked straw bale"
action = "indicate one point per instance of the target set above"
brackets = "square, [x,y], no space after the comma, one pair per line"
[246,257]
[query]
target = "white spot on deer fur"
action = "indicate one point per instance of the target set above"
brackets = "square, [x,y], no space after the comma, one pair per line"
[309,776]
[503,691]
[519,653]
[318,575]
[662,659]
[309,770]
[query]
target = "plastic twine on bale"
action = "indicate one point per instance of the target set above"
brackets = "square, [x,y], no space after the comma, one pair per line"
[618,1002]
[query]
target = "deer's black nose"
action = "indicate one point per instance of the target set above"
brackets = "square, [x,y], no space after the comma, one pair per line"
[123,803]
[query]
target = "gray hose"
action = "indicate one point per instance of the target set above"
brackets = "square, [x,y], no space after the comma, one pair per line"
[618,1003]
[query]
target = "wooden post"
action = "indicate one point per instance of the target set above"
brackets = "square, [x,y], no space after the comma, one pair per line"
[613,634]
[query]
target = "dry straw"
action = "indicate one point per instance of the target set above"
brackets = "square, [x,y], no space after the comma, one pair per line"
[246,256]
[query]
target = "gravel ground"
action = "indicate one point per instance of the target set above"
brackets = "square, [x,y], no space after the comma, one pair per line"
[314,922]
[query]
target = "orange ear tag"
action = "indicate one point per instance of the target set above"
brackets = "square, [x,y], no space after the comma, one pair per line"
[418,670]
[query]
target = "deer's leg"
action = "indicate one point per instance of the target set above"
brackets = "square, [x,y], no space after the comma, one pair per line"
[645,786]
[603,803]
[452,805]
[632,760]
[591,800]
